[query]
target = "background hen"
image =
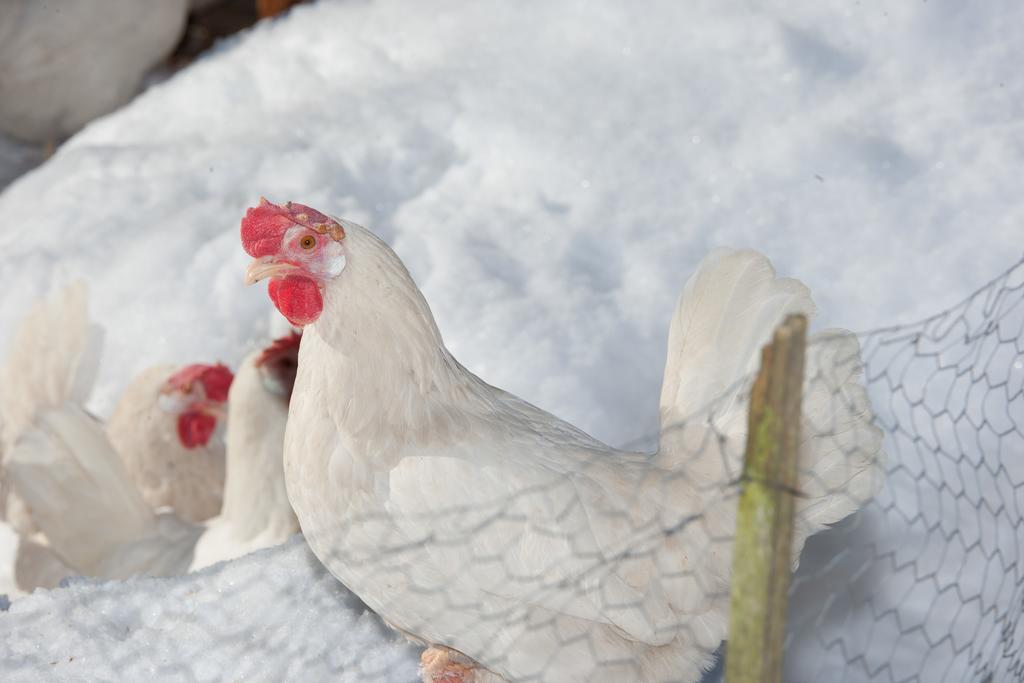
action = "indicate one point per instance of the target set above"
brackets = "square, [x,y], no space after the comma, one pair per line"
[168,430]
[164,426]
[89,513]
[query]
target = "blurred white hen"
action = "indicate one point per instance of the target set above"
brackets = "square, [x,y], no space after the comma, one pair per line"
[164,426]
[62,64]
[76,489]
[515,545]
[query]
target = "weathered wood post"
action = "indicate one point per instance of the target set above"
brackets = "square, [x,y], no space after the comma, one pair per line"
[763,550]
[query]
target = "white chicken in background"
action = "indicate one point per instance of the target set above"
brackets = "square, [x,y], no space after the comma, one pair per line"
[166,429]
[44,372]
[63,64]
[165,425]
[47,377]
[511,543]
[81,503]
[256,512]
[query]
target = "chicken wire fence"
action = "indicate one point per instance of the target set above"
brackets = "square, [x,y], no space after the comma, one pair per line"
[912,447]
[925,582]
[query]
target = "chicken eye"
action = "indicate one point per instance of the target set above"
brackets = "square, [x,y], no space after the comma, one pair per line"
[307,242]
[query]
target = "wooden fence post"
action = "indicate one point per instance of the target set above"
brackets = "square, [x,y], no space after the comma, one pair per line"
[763,549]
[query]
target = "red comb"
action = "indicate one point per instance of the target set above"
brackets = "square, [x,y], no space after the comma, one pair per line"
[216,380]
[264,226]
[279,347]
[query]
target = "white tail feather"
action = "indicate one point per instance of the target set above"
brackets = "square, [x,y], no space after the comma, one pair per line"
[52,360]
[726,313]
[58,460]
[728,310]
[76,487]
[841,459]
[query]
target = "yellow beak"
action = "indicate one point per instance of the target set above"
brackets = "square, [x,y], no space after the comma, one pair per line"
[265,267]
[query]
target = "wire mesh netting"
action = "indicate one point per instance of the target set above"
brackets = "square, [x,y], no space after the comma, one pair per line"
[925,582]
[560,559]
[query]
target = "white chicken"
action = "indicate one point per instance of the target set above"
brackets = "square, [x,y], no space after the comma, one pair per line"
[511,543]
[256,511]
[166,429]
[62,64]
[90,515]
[165,424]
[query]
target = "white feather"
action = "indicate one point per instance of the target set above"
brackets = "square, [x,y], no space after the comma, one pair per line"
[87,507]
[52,360]
[471,519]
[145,435]
[82,503]
[256,512]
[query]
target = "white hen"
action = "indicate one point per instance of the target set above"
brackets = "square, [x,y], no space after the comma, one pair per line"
[256,512]
[88,511]
[164,425]
[514,544]
[165,428]
[44,370]
[63,64]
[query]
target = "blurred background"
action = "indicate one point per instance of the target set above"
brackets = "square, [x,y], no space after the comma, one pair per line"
[65,64]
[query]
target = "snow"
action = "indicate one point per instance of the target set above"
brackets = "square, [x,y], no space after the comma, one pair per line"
[275,615]
[549,176]
[550,173]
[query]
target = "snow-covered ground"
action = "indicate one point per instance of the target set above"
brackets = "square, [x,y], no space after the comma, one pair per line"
[550,172]
[275,615]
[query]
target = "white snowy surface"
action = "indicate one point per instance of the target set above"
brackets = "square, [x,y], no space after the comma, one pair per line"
[550,173]
[275,615]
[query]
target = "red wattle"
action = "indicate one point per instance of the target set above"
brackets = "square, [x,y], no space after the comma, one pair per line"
[195,428]
[297,297]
